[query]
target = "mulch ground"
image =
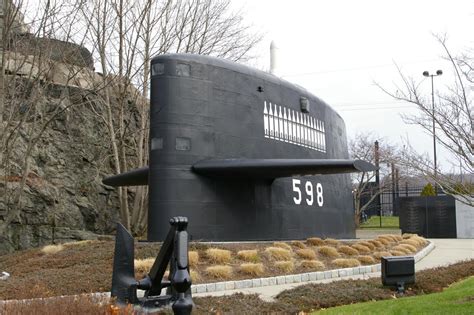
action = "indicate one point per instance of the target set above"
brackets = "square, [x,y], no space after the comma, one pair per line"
[86,267]
[303,299]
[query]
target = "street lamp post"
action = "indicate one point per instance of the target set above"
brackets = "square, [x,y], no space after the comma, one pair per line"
[427,74]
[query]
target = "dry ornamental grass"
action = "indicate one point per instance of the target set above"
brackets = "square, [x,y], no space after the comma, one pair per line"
[397,253]
[384,241]
[367,244]
[219,256]
[361,248]
[143,265]
[367,260]
[282,245]
[331,241]
[402,249]
[306,253]
[298,244]
[219,272]
[347,250]
[312,265]
[252,269]
[346,262]
[195,276]
[377,244]
[379,255]
[328,251]
[193,258]
[315,241]
[250,255]
[410,248]
[286,266]
[278,253]
[52,249]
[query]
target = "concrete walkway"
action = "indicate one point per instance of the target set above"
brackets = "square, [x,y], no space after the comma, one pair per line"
[447,251]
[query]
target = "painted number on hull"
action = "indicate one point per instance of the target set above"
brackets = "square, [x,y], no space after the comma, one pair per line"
[309,193]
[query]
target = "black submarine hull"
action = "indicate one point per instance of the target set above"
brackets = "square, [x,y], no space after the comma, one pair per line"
[203,108]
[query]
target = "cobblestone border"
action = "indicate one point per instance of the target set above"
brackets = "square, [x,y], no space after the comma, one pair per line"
[298,278]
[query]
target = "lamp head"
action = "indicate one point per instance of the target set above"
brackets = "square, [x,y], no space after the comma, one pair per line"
[426,73]
[439,72]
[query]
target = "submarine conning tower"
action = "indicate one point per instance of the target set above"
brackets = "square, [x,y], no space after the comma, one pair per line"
[205,108]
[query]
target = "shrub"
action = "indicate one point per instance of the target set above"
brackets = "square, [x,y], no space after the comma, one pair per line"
[346,262]
[379,255]
[143,265]
[193,258]
[367,244]
[408,235]
[328,251]
[252,269]
[398,238]
[306,253]
[219,271]
[397,253]
[402,248]
[278,253]
[52,249]
[347,250]
[361,248]
[250,255]
[285,266]
[282,245]
[428,190]
[384,241]
[410,248]
[331,241]
[377,244]
[315,241]
[298,244]
[410,242]
[365,259]
[220,256]
[312,265]
[195,276]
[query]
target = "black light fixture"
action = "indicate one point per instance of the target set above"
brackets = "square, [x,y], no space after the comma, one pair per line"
[398,271]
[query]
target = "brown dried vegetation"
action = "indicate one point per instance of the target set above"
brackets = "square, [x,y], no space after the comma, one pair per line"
[306,253]
[347,250]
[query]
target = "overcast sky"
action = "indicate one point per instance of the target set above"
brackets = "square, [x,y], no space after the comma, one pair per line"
[338,49]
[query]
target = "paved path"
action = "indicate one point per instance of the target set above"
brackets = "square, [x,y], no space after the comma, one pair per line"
[447,251]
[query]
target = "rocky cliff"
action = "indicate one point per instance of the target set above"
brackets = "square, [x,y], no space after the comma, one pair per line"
[56,151]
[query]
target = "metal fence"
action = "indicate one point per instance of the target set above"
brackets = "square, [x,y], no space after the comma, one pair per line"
[387,203]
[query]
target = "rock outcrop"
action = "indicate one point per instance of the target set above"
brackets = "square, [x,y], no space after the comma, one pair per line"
[62,195]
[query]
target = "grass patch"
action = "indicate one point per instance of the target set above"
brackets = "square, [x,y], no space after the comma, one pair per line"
[249,255]
[379,255]
[347,250]
[361,248]
[456,299]
[387,222]
[219,256]
[315,241]
[329,251]
[282,245]
[312,265]
[278,253]
[219,272]
[252,269]
[346,262]
[193,258]
[298,244]
[286,266]
[143,265]
[331,241]
[52,249]
[306,253]
[366,260]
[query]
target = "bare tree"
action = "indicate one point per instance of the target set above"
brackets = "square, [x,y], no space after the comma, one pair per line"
[28,71]
[125,35]
[452,116]
[366,190]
